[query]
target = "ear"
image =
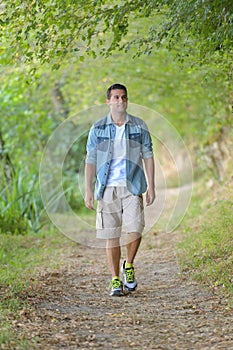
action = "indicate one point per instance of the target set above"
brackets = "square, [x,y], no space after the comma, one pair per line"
[107,102]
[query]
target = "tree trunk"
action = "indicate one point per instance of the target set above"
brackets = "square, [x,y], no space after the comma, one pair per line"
[59,102]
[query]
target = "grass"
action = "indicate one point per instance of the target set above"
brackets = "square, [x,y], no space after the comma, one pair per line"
[206,252]
[20,257]
[21,207]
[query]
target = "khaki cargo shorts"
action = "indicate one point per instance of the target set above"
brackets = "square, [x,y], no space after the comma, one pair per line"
[119,208]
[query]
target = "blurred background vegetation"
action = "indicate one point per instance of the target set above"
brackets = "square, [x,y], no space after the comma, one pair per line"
[59,57]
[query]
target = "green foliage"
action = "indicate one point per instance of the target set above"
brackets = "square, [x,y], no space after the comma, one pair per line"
[72,192]
[20,204]
[20,254]
[49,31]
[207,249]
[27,117]
[13,223]
[9,340]
[204,25]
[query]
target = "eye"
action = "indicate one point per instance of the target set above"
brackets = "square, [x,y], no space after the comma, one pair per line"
[117,98]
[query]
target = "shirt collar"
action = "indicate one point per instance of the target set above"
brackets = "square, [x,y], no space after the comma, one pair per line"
[109,118]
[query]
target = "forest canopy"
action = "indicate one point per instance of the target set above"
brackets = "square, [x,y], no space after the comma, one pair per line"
[47,31]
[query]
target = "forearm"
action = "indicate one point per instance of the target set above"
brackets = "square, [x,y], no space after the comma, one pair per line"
[90,170]
[150,171]
[89,177]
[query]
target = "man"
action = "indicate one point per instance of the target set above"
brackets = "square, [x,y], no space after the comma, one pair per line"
[116,146]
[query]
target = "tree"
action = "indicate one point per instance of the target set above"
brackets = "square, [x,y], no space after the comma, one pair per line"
[42,31]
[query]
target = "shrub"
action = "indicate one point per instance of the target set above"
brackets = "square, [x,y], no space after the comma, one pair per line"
[13,223]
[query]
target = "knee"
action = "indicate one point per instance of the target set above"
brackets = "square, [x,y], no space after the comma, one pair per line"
[134,236]
[112,243]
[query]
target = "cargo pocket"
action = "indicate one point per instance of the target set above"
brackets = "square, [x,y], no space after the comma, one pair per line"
[141,214]
[99,216]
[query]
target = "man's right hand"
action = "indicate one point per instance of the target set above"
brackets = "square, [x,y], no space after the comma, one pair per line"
[89,200]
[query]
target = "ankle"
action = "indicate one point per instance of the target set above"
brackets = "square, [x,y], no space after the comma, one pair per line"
[128,265]
[115,278]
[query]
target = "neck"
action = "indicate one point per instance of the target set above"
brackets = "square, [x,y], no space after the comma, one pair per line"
[119,119]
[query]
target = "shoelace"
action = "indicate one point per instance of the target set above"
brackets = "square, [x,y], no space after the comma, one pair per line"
[129,274]
[116,283]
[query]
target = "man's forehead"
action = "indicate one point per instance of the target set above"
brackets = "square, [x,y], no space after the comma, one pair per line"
[118,92]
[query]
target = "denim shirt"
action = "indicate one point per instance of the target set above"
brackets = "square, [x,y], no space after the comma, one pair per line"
[100,149]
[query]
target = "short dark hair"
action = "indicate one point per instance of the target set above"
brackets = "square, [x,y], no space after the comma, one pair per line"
[115,87]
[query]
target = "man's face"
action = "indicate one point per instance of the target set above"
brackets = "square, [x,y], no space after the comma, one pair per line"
[118,101]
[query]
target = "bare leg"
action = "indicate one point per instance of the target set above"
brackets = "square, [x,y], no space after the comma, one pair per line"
[114,255]
[134,240]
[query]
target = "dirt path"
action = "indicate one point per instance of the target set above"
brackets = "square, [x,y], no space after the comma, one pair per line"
[71,308]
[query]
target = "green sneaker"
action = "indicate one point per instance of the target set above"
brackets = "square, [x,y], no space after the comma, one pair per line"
[130,282]
[116,288]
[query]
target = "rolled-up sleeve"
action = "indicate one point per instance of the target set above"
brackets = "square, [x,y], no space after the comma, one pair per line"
[91,148]
[147,148]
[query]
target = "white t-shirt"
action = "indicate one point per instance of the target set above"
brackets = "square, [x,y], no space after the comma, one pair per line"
[117,171]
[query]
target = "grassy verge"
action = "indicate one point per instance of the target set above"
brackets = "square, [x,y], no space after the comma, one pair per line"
[206,253]
[20,258]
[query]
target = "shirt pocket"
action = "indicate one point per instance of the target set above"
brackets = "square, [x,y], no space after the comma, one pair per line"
[102,143]
[135,140]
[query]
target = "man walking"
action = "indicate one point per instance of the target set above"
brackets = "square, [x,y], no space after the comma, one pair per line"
[117,147]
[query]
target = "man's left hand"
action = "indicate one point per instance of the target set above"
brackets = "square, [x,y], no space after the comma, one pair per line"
[150,196]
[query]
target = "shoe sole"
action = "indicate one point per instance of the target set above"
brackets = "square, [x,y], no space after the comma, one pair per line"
[130,289]
[117,294]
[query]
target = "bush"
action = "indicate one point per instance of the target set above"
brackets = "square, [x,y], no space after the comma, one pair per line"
[13,223]
[207,251]
[21,206]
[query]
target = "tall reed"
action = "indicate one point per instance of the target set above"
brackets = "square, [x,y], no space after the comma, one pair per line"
[21,207]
